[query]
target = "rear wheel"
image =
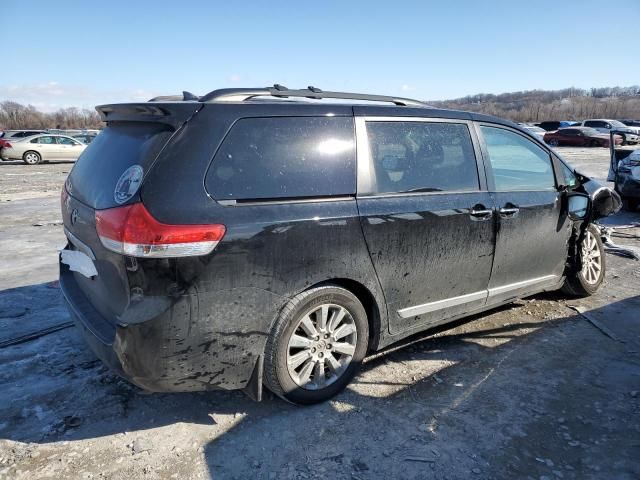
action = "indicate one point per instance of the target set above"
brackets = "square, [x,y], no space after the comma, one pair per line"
[316,345]
[31,158]
[588,279]
[554,142]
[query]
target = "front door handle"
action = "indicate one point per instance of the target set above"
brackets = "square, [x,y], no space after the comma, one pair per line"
[480,212]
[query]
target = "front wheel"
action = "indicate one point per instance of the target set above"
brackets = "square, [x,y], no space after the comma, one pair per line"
[31,158]
[316,345]
[554,142]
[588,279]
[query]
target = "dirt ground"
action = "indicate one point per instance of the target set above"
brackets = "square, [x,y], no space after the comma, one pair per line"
[532,390]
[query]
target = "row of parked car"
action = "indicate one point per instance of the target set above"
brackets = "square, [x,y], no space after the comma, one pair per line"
[35,146]
[587,133]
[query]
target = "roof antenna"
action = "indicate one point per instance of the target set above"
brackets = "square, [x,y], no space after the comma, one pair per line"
[189,96]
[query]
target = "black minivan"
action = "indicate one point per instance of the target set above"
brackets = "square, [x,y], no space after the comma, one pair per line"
[256,237]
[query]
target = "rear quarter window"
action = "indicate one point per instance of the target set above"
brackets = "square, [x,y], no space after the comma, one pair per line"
[285,158]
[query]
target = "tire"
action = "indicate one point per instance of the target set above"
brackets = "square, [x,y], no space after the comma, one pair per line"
[594,143]
[298,337]
[630,203]
[588,279]
[624,139]
[554,142]
[31,157]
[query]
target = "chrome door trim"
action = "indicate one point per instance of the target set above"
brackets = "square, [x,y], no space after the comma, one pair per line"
[363,158]
[525,283]
[471,297]
[440,304]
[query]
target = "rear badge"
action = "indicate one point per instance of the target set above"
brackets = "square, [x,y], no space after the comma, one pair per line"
[128,184]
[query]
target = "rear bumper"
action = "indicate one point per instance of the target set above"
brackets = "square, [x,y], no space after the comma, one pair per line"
[179,350]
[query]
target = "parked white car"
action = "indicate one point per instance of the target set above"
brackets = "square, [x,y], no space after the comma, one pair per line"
[630,135]
[42,148]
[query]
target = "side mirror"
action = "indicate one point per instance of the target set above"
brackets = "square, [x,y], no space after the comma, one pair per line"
[579,205]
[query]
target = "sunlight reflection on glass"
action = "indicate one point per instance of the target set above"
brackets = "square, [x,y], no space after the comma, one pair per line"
[334,146]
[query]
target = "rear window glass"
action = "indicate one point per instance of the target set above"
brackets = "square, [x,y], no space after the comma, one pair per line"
[119,146]
[285,157]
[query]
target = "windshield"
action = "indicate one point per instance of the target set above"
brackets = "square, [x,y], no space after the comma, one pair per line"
[590,131]
[616,123]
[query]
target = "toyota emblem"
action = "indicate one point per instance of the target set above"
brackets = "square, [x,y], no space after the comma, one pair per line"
[74,216]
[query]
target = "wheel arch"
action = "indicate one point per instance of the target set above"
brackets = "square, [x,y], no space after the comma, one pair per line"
[34,151]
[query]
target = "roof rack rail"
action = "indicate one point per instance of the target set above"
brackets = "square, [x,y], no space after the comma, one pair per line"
[186,96]
[242,94]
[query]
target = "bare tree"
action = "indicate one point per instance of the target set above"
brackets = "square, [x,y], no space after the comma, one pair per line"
[15,115]
[566,104]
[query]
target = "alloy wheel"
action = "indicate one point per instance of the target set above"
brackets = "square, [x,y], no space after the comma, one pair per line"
[321,346]
[591,259]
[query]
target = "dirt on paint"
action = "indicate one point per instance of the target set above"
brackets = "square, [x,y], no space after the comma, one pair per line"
[532,390]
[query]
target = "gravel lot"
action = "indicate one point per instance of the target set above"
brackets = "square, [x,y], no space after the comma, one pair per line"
[532,390]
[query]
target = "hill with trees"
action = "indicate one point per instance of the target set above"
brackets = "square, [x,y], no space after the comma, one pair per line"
[566,104]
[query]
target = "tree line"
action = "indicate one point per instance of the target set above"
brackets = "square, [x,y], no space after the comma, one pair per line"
[14,115]
[528,106]
[565,104]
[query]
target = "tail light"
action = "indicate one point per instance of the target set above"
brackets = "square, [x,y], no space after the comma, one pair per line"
[4,144]
[131,230]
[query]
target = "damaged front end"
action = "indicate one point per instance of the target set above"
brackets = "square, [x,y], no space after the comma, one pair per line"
[604,200]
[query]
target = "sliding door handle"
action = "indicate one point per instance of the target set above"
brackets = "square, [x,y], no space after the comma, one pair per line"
[508,211]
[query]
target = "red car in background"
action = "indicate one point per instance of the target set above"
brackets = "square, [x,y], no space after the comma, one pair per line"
[579,137]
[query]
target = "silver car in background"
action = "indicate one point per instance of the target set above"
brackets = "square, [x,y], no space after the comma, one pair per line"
[42,148]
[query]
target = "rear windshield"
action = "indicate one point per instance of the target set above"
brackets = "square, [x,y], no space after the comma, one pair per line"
[285,157]
[119,146]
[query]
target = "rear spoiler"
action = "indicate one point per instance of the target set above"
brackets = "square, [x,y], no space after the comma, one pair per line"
[174,114]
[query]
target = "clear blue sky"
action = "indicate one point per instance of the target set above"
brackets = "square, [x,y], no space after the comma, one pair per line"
[61,53]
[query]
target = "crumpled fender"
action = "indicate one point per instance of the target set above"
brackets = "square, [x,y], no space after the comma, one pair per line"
[604,200]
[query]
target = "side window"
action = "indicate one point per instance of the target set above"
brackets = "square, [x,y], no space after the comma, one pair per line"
[285,157]
[36,140]
[591,124]
[66,141]
[45,140]
[422,156]
[517,163]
